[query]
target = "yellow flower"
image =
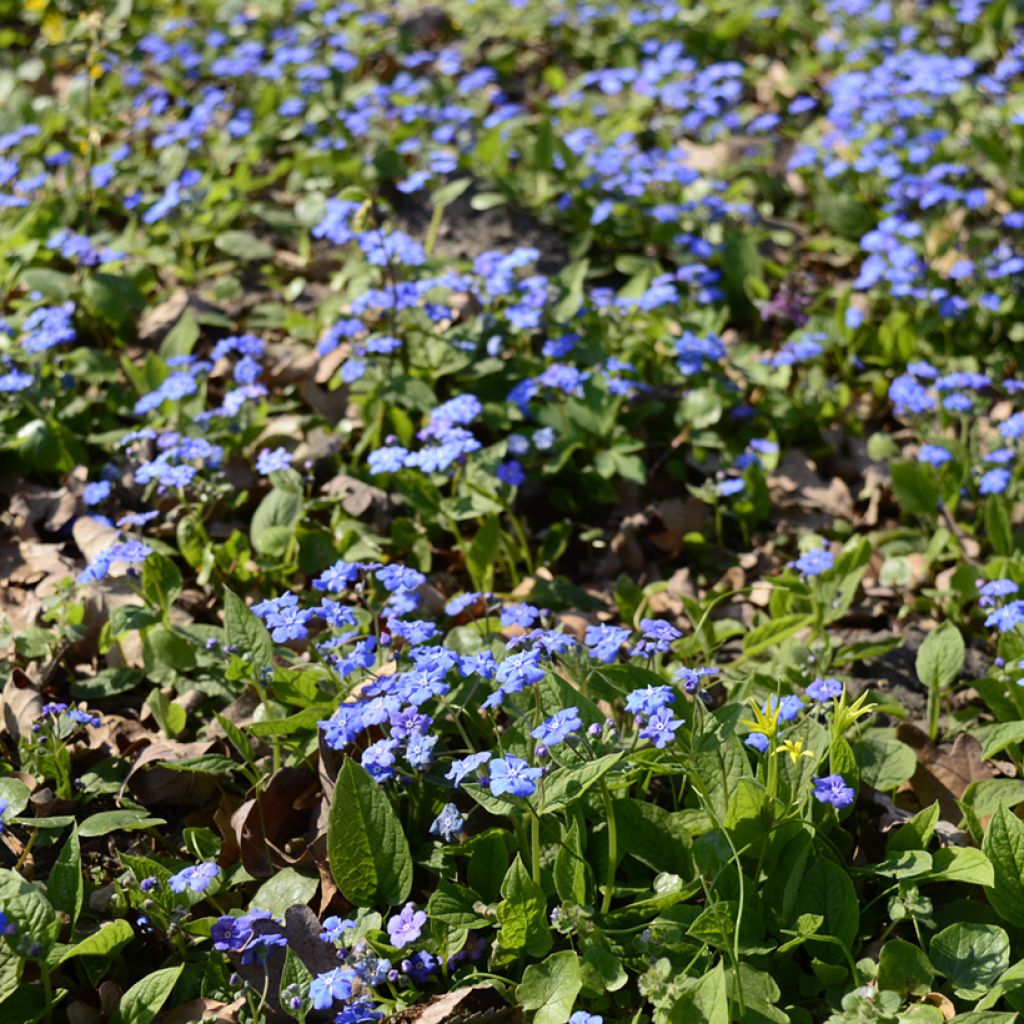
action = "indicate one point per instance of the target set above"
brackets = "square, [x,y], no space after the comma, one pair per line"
[795,749]
[768,723]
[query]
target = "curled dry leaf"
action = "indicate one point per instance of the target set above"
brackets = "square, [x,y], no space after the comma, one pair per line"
[464,1004]
[22,705]
[284,811]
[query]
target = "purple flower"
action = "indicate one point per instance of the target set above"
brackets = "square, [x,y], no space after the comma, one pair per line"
[513,775]
[406,926]
[832,789]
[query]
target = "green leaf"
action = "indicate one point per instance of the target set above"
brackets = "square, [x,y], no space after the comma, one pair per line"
[602,970]
[245,632]
[904,968]
[705,1001]
[483,553]
[567,784]
[657,837]
[1004,846]
[65,886]
[112,821]
[773,632]
[941,656]
[16,793]
[1001,736]
[961,864]
[366,847]
[998,525]
[915,489]
[572,278]
[161,581]
[550,988]
[295,976]
[273,522]
[522,914]
[916,833]
[243,245]
[110,938]
[884,762]
[971,956]
[571,867]
[168,648]
[288,888]
[826,889]
[452,912]
[142,1002]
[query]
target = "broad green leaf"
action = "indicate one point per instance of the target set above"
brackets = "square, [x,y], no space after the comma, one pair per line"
[915,488]
[522,914]
[245,632]
[705,1001]
[961,864]
[826,889]
[884,762]
[571,867]
[1004,846]
[288,888]
[971,956]
[110,938]
[143,1001]
[565,785]
[941,656]
[112,821]
[16,793]
[550,988]
[916,833]
[904,968]
[65,886]
[366,847]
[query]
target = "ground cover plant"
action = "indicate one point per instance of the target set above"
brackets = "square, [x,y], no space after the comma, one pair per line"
[511,511]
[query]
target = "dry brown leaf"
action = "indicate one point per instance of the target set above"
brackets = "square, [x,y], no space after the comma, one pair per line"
[462,1004]
[22,705]
[202,1009]
[797,482]
[356,497]
[264,825]
[152,784]
[944,771]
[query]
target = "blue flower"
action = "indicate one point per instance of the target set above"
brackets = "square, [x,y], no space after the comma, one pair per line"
[605,642]
[995,481]
[832,789]
[558,727]
[823,690]
[330,987]
[814,563]
[661,728]
[273,461]
[448,824]
[582,1017]
[513,775]
[934,455]
[466,766]
[650,699]
[1007,617]
[197,878]
[334,928]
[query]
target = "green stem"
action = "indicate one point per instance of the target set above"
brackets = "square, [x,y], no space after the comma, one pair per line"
[535,847]
[613,848]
